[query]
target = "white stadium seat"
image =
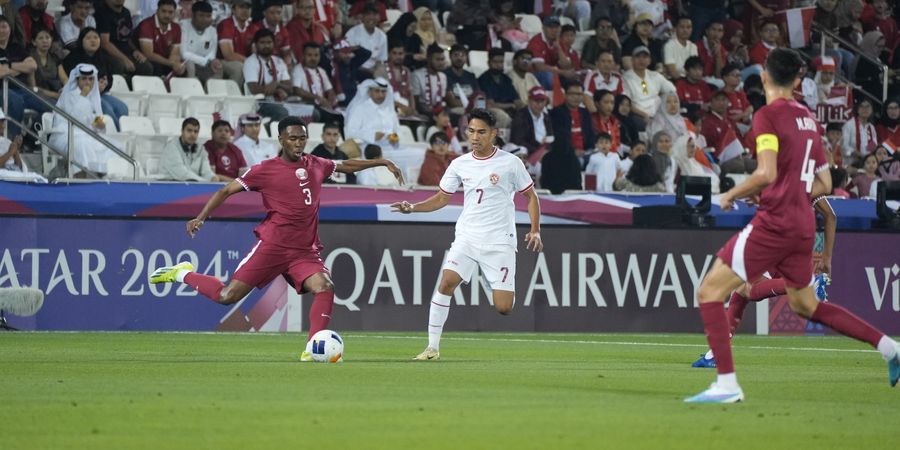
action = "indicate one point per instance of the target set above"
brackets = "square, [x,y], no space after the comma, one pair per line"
[137,125]
[223,88]
[148,152]
[159,102]
[406,135]
[196,102]
[119,84]
[530,24]
[314,129]
[170,126]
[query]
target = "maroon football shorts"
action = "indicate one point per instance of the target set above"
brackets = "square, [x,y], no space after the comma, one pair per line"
[755,251]
[267,261]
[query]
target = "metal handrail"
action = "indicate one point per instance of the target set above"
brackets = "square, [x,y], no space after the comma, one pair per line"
[24,88]
[859,53]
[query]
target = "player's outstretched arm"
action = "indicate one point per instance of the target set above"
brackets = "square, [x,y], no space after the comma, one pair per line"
[433,203]
[193,225]
[821,184]
[533,239]
[355,165]
[822,206]
[764,175]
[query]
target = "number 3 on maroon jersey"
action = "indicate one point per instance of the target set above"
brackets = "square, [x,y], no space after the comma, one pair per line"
[308,194]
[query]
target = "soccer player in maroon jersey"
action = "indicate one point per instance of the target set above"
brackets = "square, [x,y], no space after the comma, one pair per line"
[288,245]
[792,170]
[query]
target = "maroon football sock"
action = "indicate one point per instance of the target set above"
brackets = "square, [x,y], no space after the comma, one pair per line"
[207,285]
[716,326]
[846,323]
[320,312]
[735,312]
[767,289]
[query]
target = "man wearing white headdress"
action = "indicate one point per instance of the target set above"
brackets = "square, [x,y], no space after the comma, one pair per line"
[371,118]
[80,99]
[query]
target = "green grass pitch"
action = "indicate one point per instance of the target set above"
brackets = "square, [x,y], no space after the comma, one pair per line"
[490,391]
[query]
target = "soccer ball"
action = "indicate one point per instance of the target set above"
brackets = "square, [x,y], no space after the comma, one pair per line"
[327,347]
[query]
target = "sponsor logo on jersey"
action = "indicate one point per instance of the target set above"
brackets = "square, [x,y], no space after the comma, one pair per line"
[301,174]
[495,178]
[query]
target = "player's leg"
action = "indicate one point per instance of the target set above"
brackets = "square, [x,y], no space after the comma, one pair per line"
[737,303]
[322,288]
[498,264]
[208,285]
[720,280]
[804,302]
[438,311]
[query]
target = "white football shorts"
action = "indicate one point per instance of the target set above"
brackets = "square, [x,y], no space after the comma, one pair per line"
[497,263]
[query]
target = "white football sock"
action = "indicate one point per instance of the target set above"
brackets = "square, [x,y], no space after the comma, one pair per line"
[179,277]
[709,354]
[728,381]
[887,347]
[437,316]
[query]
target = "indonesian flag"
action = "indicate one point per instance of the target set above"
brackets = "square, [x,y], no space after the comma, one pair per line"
[731,146]
[797,22]
[890,146]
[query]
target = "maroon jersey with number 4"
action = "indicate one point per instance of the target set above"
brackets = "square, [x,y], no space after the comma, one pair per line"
[290,194]
[784,205]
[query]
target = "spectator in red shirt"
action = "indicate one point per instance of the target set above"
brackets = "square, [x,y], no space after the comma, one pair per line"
[226,158]
[566,39]
[692,90]
[236,40]
[769,34]
[272,21]
[304,28]
[400,78]
[880,21]
[437,159]
[545,48]
[160,38]
[720,132]
[739,109]
[889,125]
[711,49]
[34,17]
[574,121]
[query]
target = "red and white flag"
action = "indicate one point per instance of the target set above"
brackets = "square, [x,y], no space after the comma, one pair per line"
[796,23]
[731,146]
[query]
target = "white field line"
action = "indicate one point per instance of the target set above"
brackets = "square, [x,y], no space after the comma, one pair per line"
[648,344]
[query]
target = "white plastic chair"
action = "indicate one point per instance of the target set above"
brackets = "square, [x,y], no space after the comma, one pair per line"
[315,130]
[49,158]
[159,102]
[392,16]
[223,87]
[406,135]
[148,152]
[205,128]
[196,102]
[117,168]
[110,124]
[412,175]
[137,125]
[119,84]
[170,126]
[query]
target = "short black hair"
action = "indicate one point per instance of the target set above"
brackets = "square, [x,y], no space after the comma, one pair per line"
[331,125]
[394,43]
[263,33]
[439,135]
[568,28]
[483,115]
[838,177]
[459,48]
[433,49]
[221,123]
[201,7]
[601,19]
[783,66]
[166,2]
[567,84]
[496,52]
[190,121]
[270,3]
[600,93]
[680,18]
[719,93]
[290,122]
[310,44]
[522,53]
[728,68]
[691,62]
[604,136]
[835,126]
[4,19]
[372,151]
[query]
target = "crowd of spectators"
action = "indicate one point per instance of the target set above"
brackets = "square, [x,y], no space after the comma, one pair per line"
[609,95]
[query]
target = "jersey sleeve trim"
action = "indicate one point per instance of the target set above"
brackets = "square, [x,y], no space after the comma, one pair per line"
[767,141]
[445,191]
[242,183]
[333,169]
[816,200]
[822,168]
[530,185]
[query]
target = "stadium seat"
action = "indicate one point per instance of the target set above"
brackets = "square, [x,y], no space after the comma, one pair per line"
[205,128]
[478,62]
[420,133]
[135,8]
[224,87]
[315,130]
[117,168]
[110,124]
[581,38]
[170,126]
[508,61]
[530,24]
[136,125]
[392,16]
[55,6]
[563,20]
[406,135]
[196,102]
[148,152]
[125,139]
[49,158]
[119,84]
[159,102]
[412,175]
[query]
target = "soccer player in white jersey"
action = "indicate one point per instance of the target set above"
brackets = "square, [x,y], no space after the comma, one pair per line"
[486,229]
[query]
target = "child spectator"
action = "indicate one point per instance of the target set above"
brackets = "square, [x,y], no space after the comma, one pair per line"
[437,159]
[864,180]
[603,164]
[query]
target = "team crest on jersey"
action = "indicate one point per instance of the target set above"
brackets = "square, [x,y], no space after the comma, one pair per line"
[495,178]
[301,174]
[226,161]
